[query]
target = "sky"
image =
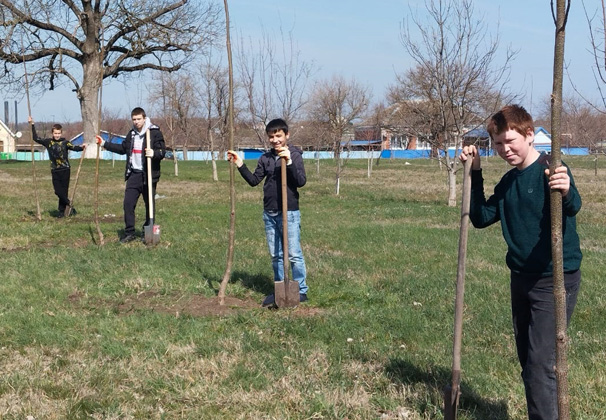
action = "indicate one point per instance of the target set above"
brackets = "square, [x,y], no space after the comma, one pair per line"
[362,40]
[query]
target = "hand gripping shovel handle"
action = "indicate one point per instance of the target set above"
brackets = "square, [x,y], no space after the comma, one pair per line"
[452,392]
[286,292]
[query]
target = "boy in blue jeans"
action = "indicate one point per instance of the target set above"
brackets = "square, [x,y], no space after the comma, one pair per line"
[521,203]
[269,168]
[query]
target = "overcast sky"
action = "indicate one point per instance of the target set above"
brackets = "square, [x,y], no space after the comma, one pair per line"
[361,39]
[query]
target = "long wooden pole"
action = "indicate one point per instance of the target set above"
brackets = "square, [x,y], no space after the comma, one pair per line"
[99,232]
[232,185]
[70,206]
[559,290]
[31,131]
[452,392]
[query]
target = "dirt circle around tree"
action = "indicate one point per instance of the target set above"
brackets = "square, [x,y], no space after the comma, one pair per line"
[179,305]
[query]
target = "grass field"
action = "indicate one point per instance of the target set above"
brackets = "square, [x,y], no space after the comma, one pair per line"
[127,332]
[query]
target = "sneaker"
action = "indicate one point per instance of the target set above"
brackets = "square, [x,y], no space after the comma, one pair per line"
[128,238]
[269,300]
[60,215]
[303,297]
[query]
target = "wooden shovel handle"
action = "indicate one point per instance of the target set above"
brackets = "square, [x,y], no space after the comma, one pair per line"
[149,178]
[284,220]
[451,397]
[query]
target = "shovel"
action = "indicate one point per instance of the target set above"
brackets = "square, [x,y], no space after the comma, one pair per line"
[286,292]
[452,392]
[152,231]
[68,208]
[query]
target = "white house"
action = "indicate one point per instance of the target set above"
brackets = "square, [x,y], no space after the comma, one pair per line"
[542,139]
[7,139]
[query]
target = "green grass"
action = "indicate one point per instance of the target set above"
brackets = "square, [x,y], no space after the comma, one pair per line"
[105,332]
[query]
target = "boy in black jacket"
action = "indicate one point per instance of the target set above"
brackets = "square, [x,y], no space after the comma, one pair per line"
[269,168]
[58,148]
[134,147]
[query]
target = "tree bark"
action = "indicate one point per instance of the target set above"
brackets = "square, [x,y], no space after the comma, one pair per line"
[232,187]
[31,131]
[559,290]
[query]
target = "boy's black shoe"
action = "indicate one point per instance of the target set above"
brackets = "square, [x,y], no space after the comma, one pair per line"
[303,297]
[269,301]
[128,238]
[60,214]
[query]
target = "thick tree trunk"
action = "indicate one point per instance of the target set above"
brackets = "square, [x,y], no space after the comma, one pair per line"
[88,95]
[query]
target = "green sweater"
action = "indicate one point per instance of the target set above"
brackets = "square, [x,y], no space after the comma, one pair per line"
[521,202]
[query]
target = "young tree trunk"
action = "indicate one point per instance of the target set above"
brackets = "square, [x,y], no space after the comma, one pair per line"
[94,124]
[452,185]
[31,131]
[338,176]
[175,160]
[232,185]
[339,163]
[318,162]
[212,154]
[559,289]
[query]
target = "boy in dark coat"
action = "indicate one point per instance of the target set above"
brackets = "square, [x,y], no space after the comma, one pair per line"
[269,168]
[58,151]
[134,147]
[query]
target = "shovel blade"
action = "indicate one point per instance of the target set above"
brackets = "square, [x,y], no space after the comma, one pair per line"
[152,234]
[287,294]
[451,402]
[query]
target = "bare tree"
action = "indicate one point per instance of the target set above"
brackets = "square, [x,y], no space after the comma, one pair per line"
[596,21]
[454,83]
[560,18]
[176,93]
[274,80]
[82,44]
[337,103]
[232,185]
[161,95]
[214,91]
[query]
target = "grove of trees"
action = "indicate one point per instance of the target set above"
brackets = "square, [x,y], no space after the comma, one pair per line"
[456,78]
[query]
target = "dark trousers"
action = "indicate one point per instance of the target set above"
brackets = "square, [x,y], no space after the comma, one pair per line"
[136,185]
[533,314]
[61,185]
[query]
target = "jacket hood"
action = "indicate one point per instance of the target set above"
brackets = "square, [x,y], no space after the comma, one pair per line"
[146,125]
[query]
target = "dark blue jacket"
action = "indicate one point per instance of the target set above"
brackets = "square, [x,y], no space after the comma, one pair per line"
[269,167]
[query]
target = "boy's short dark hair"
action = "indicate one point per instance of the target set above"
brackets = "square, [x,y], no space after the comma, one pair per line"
[138,111]
[510,117]
[57,127]
[276,125]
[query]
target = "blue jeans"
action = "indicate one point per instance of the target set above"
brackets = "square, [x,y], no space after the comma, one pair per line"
[273,232]
[533,312]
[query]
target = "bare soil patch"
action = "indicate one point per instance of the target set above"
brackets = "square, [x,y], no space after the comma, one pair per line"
[179,304]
